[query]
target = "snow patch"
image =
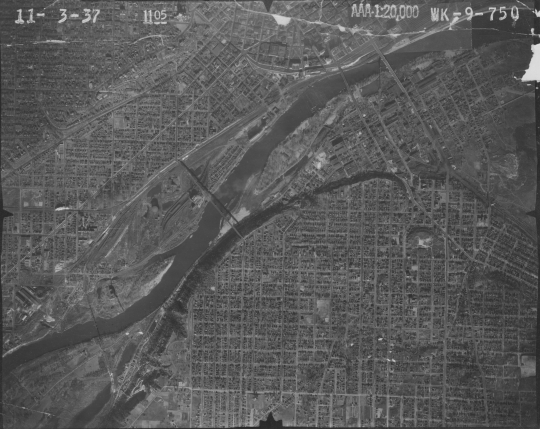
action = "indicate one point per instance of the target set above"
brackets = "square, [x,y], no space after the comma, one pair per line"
[242,213]
[533,72]
[153,283]
[117,241]
[331,119]
[239,215]
[282,20]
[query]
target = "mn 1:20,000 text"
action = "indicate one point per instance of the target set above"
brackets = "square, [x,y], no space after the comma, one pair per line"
[386,11]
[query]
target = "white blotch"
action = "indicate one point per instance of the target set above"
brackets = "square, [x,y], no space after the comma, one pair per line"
[282,20]
[533,72]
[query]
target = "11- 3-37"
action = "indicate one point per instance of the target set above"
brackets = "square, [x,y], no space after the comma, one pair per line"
[90,15]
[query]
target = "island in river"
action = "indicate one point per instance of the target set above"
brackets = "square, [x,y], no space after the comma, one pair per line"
[312,99]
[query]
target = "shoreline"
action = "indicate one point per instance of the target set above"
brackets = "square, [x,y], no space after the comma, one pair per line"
[328,93]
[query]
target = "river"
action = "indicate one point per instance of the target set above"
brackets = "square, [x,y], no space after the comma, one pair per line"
[312,99]
[86,415]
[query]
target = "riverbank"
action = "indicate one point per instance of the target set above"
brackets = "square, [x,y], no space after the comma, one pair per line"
[230,193]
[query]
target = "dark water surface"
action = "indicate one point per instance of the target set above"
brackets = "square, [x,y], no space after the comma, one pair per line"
[311,100]
[127,354]
[86,415]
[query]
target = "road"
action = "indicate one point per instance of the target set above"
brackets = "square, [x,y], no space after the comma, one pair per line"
[218,205]
[70,131]
[93,118]
[156,177]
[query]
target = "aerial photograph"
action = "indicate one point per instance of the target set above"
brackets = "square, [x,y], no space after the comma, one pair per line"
[269,213]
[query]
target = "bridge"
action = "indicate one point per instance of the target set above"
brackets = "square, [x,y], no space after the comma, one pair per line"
[227,215]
